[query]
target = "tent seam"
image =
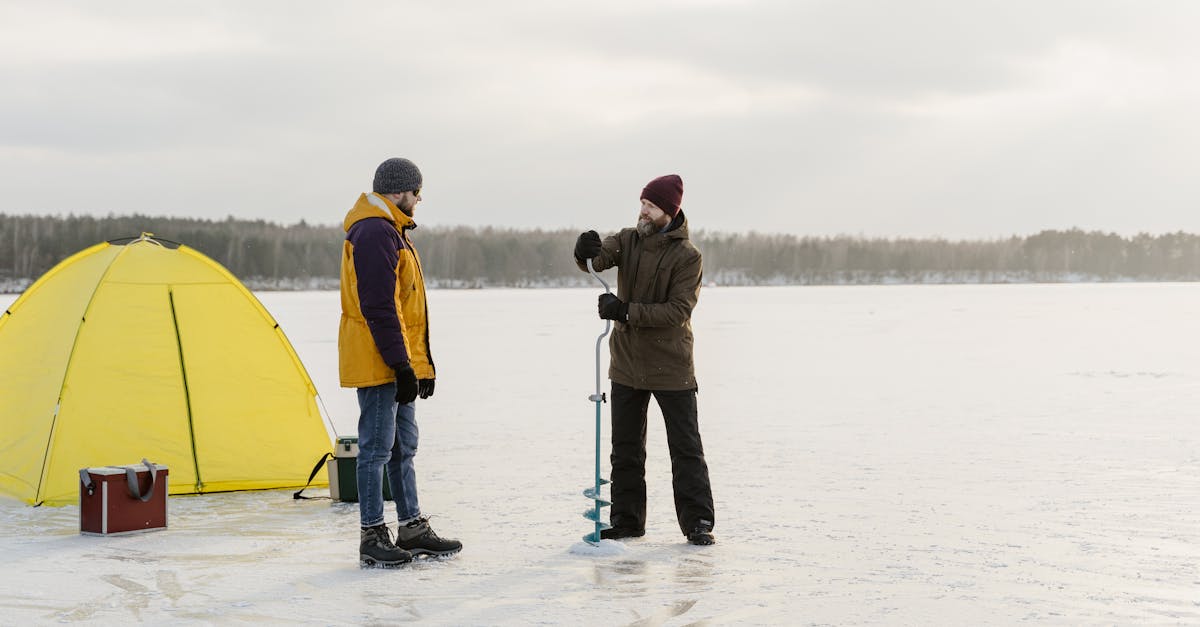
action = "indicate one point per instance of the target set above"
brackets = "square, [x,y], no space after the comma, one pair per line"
[187,394]
[67,373]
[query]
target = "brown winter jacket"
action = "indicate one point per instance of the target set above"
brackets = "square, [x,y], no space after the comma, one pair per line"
[659,276]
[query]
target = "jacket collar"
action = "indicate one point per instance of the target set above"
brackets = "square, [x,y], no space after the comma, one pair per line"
[677,230]
[375,206]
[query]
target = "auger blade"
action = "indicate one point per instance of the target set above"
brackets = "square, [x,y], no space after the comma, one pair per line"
[592,494]
[594,516]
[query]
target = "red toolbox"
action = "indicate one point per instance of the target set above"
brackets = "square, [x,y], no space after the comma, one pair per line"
[122,499]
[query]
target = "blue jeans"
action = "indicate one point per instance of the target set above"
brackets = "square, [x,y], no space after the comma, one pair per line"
[387,434]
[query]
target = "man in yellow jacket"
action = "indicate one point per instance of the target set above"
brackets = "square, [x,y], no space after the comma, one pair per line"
[383,351]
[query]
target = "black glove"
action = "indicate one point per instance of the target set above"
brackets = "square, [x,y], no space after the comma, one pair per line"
[425,387]
[406,384]
[611,308]
[587,246]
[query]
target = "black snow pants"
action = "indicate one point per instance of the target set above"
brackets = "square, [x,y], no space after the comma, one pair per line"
[693,493]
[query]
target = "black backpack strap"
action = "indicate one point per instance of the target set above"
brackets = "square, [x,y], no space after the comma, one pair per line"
[315,470]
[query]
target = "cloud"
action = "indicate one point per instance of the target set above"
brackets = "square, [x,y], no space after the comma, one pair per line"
[960,118]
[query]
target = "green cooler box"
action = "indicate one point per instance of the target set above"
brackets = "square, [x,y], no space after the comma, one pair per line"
[343,472]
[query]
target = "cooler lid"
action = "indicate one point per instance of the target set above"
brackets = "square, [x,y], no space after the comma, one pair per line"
[120,470]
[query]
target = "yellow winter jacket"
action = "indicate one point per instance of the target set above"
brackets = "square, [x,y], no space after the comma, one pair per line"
[384,314]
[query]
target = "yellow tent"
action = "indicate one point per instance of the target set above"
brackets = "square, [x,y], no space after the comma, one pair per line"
[143,348]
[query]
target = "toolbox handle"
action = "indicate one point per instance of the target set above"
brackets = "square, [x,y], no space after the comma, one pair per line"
[131,478]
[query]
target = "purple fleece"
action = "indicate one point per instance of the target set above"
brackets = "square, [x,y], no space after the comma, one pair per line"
[376,245]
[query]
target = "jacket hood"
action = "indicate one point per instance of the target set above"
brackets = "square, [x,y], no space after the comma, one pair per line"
[375,206]
[678,230]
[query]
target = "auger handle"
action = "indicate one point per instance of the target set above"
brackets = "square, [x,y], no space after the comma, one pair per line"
[599,395]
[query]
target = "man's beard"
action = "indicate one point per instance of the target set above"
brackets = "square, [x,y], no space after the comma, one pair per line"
[646,228]
[406,207]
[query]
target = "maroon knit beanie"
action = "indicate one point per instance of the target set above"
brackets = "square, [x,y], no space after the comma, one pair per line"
[666,192]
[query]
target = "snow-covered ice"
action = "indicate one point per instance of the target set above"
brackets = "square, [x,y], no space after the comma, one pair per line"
[603,548]
[899,454]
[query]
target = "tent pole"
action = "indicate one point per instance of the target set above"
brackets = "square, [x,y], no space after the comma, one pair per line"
[187,398]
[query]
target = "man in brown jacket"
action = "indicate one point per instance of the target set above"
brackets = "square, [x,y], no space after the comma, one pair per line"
[658,283]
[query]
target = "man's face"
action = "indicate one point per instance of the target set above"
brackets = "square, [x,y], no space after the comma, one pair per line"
[406,202]
[651,219]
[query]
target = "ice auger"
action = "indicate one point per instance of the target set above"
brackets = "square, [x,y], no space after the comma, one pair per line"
[593,513]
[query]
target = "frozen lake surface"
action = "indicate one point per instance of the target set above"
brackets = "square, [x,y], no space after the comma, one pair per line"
[899,455]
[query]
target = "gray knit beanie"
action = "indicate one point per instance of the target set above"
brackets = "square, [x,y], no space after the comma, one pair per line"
[395,176]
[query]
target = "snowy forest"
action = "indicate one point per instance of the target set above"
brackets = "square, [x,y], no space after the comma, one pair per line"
[266,255]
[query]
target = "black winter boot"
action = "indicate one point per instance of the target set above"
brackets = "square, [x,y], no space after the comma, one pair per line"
[375,548]
[616,533]
[418,538]
[702,536]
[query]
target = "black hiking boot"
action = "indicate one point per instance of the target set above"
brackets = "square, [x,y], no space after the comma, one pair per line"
[418,538]
[375,548]
[616,533]
[701,536]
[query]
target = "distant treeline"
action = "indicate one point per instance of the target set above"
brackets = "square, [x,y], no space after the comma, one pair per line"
[303,256]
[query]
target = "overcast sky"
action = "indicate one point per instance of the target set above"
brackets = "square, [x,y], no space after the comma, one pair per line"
[958,118]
